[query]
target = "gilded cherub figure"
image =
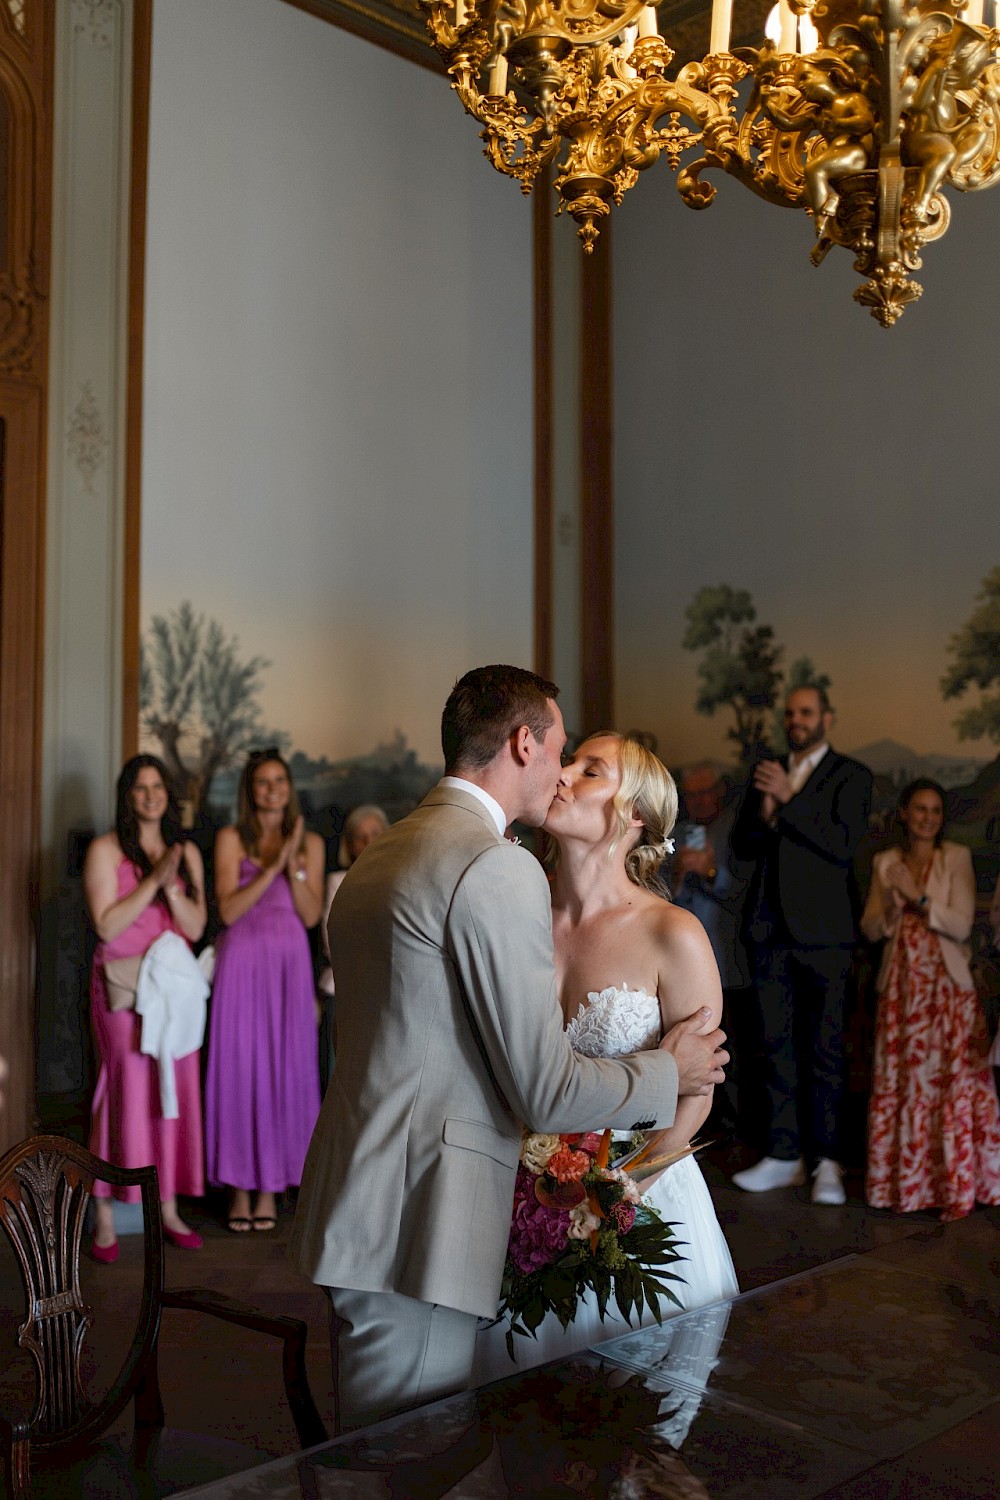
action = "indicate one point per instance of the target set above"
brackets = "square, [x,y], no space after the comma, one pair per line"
[942,133]
[824,93]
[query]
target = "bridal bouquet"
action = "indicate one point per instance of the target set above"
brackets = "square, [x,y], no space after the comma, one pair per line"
[580,1224]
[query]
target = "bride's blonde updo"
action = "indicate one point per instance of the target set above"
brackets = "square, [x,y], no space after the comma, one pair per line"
[647,791]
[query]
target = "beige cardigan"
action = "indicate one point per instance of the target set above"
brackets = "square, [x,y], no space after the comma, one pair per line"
[951,909]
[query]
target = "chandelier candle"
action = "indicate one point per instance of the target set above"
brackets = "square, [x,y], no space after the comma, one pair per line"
[722,20]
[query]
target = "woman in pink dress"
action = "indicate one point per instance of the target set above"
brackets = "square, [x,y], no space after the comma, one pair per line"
[934,1121]
[140,881]
[262,1088]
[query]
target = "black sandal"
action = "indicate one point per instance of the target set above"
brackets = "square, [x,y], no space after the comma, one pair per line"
[264,1223]
[239,1224]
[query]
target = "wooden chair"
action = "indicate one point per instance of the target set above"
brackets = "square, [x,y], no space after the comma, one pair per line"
[45,1186]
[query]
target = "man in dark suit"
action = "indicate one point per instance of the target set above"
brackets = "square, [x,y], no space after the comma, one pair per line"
[800,821]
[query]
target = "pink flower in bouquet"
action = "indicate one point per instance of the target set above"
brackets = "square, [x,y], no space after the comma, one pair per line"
[630,1190]
[537,1234]
[568,1165]
[582,1222]
[622,1216]
[591,1142]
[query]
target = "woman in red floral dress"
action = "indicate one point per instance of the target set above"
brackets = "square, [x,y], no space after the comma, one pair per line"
[934,1120]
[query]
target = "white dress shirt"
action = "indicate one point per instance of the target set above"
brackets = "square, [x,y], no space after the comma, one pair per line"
[799,771]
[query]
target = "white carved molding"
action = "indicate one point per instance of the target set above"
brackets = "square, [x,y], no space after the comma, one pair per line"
[86,439]
[94,19]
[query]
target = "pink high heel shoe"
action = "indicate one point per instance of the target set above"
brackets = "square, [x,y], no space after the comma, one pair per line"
[188,1241]
[105,1255]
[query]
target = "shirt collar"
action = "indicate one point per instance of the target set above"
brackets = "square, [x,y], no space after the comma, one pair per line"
[809,762]
[496,812]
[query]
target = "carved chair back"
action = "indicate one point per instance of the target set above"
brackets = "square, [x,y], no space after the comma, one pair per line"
[45,1186]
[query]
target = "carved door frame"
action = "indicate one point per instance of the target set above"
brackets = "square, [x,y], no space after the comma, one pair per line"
[26,79]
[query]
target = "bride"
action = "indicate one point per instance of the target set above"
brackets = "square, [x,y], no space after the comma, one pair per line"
[628,965]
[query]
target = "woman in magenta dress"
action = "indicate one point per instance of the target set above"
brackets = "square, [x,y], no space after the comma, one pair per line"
[934,1122]
[140,881]
[262,1089]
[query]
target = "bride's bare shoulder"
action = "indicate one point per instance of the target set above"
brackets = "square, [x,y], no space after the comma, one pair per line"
[688,975]
[676,927]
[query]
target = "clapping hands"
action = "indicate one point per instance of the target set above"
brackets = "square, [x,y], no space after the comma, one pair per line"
[900,884]
[291,857]
[771,780]
[166,867]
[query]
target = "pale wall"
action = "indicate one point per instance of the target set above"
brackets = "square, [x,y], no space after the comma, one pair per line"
[337,435]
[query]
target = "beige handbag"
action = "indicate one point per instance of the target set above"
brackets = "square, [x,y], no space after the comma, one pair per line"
[121,979]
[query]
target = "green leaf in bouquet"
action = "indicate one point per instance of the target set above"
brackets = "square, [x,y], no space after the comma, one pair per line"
[602,1290]
[566,1311]
[625,1284]
[655,1288]
[515,1327]
[560,1285]
[607,1193]
[533,1312]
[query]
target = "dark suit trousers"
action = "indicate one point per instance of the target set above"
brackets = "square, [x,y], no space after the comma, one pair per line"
[802,995]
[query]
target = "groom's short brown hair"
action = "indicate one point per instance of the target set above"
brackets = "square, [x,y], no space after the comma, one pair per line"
[487,706]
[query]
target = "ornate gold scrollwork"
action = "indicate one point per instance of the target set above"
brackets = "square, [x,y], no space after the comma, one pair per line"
[897,100]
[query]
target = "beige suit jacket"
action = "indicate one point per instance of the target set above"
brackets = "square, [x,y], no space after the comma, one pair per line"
[449,1037]
[951,909]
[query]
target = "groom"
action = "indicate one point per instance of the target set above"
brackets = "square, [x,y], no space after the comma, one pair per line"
[449,1039]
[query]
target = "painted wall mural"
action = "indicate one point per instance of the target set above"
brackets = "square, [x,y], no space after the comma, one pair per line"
[202,712]
[741,673]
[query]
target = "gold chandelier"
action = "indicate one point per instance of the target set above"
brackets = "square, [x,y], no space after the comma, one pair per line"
[857,111]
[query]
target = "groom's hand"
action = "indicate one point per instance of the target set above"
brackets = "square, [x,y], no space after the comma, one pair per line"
[699,1054]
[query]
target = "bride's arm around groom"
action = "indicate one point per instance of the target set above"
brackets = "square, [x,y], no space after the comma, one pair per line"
[449,1041]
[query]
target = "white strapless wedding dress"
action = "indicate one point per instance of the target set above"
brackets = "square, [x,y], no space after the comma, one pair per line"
[615,1023]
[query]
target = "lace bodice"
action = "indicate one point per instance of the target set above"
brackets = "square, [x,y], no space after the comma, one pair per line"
[613,1023]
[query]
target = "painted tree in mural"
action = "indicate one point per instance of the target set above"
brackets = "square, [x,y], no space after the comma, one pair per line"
[741,667]
[199,699]
[975,653]
[802,673]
